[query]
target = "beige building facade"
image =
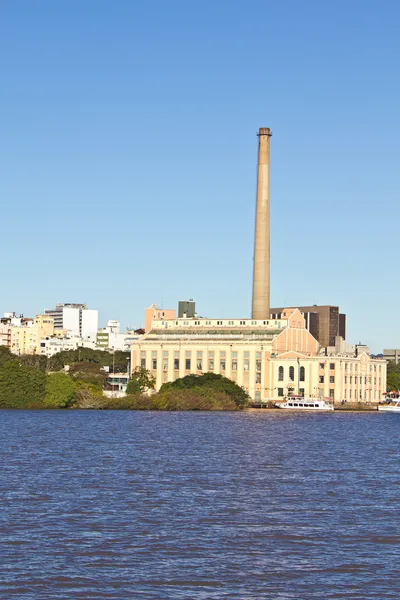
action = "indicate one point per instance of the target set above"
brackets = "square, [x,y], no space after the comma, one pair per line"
[26,338]
[154,313]
[268,358]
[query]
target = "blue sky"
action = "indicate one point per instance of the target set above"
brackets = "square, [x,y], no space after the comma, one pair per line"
[128,155]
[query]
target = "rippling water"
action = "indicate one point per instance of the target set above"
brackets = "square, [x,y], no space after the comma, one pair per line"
[253,505]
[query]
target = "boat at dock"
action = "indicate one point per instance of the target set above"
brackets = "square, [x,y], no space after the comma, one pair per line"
[390,407]
[300,403]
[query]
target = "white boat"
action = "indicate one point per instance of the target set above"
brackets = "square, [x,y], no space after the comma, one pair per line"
[300,403]
[390,407]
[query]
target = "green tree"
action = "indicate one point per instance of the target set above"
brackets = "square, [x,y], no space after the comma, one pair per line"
[393,376]
[90,372]
[20,386]
[210,382]
[117,360]
[60,391]
[6,355]
[141,381]
[37,361]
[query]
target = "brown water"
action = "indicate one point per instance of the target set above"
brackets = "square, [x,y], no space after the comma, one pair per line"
[256,505]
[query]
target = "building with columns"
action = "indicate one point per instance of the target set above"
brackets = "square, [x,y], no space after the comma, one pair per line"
[269,355]
[268,358]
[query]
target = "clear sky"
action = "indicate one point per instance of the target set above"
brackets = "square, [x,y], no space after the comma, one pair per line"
[128,155]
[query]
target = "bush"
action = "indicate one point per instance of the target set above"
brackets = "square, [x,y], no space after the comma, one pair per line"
[211,383]
[89,395]
[60,391]
[20,386]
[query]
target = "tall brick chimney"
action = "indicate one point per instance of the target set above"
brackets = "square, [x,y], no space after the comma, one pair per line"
[261,268]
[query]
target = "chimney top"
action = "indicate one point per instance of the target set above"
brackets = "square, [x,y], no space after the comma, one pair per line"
[264,131]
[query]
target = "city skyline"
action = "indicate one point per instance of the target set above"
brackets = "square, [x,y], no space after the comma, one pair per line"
[132,163]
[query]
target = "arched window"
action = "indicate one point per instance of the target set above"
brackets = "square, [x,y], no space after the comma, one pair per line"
[302,374]
[280,374]
[291,373]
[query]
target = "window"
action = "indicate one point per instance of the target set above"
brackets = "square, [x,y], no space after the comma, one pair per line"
[332,366]
[154,363]
[199,364]
[176,364]
[246,364]
[350,379]
[258,354]
[331,393]
[321,379]
[222,364]
[322,365]
[211,364]
[143,363]
[280,374]
[280,392]
[165,364]
[187,364]
[345,378]
[165,353]
[258,365]
[234,363]
[187,353]
[258,396]
[291,373]
[258,377]
[302,374]
[332,379]
[301,392]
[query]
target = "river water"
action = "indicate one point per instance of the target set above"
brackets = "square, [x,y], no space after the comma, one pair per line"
[255,505]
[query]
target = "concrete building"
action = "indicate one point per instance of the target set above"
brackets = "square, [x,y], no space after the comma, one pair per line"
[89,324]
[75,319]
[268,358]
[51,346]
[186,308]
[116,385]
[392,354]
[5,335]
[111,338]
[325,323]
[157,313]
[25,339]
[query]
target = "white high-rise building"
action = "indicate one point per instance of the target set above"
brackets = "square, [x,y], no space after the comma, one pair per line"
[71,318]
[76,319]
[89,323]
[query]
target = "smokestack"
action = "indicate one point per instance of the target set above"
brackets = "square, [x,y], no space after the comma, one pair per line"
[261,299]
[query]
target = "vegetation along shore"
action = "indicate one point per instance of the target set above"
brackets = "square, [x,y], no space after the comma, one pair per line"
[35,382]
[77,379]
